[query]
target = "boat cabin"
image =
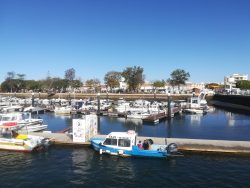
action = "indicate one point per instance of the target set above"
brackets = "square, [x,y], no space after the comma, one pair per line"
[196,102]
[123,140]
[13,117]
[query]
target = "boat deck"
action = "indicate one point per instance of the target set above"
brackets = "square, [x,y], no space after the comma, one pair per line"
[155,118]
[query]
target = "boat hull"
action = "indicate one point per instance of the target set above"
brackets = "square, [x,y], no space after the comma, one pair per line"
[24,145]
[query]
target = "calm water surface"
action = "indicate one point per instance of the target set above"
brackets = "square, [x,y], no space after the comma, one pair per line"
[218,124]
[82,167]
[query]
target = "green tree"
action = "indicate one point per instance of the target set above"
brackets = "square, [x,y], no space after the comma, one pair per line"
[70,74]
[33,85]
[20,76]
[10,75]
[178,77]
[76,83]
[158,84]
[243,84]
[112,79]
[20,83]
[13,82]
[133,77]
[6,86]
[9,79]
[93,84]
[59,84]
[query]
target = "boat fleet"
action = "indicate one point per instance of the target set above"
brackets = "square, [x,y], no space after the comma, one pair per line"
[16,123]
[137,109]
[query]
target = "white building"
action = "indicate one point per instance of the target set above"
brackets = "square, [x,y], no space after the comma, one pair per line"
[230,81]
[147,87]
[123,85]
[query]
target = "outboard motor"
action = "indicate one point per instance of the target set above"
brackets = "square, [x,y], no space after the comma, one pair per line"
[172,148]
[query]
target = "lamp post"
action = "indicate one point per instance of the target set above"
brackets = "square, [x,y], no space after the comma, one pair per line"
[98,113]
[169,106]
[98,104]
[169,116]
[32,99]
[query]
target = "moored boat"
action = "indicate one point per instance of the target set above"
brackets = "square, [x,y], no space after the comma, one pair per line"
[194,111]
[11,140]
[63,110]
[126,144]
[24,121]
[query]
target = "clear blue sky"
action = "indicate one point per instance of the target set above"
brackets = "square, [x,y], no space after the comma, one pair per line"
[207,38]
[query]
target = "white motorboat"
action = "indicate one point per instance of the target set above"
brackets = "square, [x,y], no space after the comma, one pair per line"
[24,121]
[11,140]
[137,115]
[63,110]
[194,111]
[197,105]
[125,144]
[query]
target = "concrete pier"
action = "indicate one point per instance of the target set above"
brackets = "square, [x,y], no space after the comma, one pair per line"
[202,145]
[60,138]
[188,145]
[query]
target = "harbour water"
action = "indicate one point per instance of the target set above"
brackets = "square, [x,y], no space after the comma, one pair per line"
[82,167]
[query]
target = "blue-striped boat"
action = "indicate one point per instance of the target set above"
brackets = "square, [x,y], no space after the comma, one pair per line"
[126,144]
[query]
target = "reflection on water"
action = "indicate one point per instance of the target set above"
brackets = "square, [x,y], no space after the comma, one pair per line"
[14,159]
[218,124]
[136,122]
[196,119]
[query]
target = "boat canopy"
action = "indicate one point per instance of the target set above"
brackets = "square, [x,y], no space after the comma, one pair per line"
[121,139]
[9,125]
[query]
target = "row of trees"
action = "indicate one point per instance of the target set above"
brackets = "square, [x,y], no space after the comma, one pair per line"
[17,83]
[133,76]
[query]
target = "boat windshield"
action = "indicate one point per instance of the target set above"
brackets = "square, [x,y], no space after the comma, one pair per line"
[124,143]
[110,141]
[7,118]
[5,133]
